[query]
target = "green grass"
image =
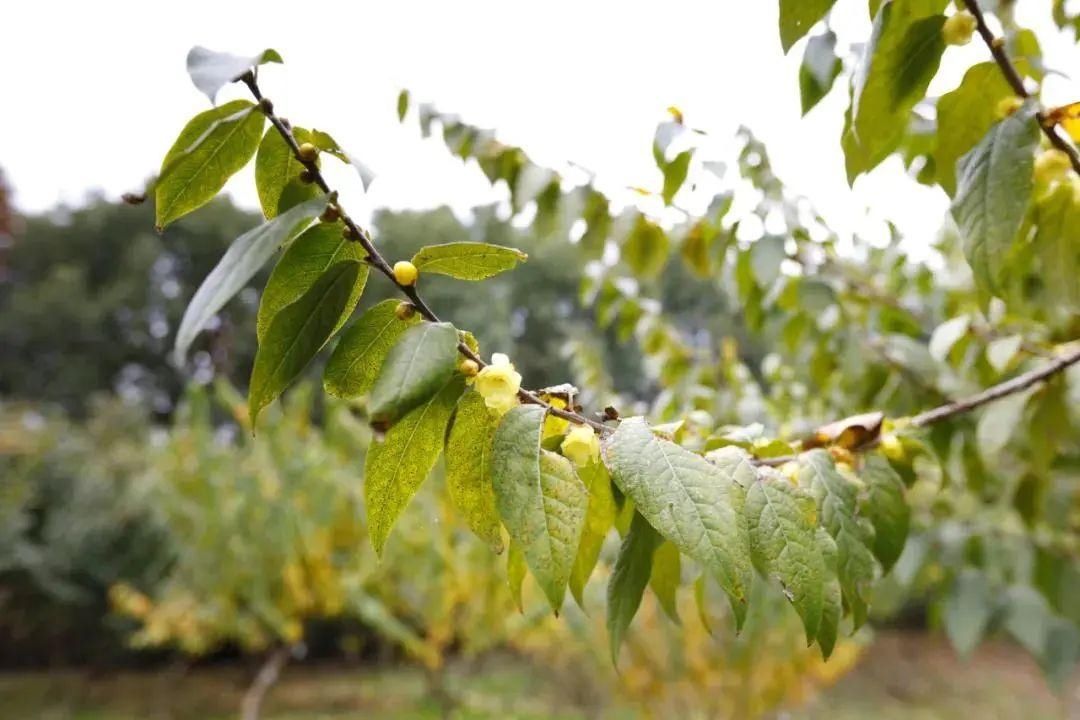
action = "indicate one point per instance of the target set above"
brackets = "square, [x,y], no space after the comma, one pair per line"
[909,677]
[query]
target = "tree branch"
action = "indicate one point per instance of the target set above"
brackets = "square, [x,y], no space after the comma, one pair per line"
[376,260]
[964,405]
[996,392]
[996,46]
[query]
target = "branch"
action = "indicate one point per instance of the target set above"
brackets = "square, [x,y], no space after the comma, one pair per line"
[376,260]
[996,392]
[958,407]
[1013,77]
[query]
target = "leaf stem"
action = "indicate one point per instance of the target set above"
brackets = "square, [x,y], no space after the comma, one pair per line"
[376,260]
[996,46]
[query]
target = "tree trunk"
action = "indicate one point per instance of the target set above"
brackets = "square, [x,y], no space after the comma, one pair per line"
[266,677]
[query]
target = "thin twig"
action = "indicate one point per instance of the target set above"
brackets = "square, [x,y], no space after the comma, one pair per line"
[376,260]
[1016,81]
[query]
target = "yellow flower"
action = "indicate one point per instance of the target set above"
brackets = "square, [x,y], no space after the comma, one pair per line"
[554,425]
[581,446]
[498,384]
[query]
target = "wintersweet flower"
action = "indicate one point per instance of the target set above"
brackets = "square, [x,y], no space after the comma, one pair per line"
[553,424]
[581,446]
[498,384]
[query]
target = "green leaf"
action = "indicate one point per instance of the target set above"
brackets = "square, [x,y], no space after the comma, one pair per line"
[402,105]
[419,364]
[1057,243]
[766,257]
[901,59]
[599,518]
[1062,652]
[277,173]
[633,567]
[886,508]
[798,16]
[467,260]
[305,260]
[666,577]
[675,173]
[468,468]
[241,261]
[690,501]
[299,331]
[210,71]
[325,142]
[837,506]
[784,546]
[998,423]
[1001,351]
[993,193]
[359,355]
[832,609]
[819,70]
[965,115]
[968,610]
[210,149]
[598,222]
[645,250]
[397,465]
[540,499]
[946,335]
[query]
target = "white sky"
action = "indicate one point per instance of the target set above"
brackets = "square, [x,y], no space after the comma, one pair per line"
[94,93]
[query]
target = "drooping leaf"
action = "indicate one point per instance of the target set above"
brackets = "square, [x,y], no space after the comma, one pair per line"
[402,105]
[819,70]
[467,260]
[993,191]
[798,16]
[416,367]
[886,508]
[599,518]
[837,502]
[832,610]
[241,261]
[998,423]
[306,259]
[633,566]
[397,465]
[210,71]
[359,355]
[468,468]
[299,331]
[540,499]
[645,250]
[277,173]
[666,577]
[326,143]
[965,115]
[598,222]
[784,546]
[210,149]
[900,60]
[693,503]
[968,610]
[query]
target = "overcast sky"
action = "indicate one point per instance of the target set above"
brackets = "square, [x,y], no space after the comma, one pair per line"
[95,92]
